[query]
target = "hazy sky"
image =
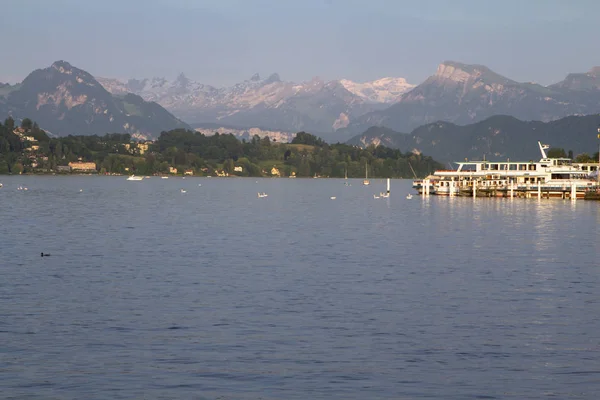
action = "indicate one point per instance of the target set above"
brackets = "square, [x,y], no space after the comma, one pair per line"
[221,42]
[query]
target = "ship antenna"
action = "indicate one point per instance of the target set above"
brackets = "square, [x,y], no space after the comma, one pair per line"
[543,147]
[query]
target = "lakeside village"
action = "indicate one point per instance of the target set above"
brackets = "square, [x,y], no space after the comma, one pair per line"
[27,149]
[134,148]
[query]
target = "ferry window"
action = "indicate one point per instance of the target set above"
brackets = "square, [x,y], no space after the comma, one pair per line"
[494,167]
[522,167]
[513,167]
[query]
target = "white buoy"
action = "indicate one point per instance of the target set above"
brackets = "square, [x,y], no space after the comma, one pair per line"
[388,185]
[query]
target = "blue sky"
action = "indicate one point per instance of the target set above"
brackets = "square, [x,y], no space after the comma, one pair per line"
[221,42]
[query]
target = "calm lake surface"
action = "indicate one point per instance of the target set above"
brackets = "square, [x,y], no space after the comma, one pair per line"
[151,293]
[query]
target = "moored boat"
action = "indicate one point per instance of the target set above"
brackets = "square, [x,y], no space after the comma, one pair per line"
[547,178]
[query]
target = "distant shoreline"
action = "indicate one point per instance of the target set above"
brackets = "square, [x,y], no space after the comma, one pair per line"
[202,176]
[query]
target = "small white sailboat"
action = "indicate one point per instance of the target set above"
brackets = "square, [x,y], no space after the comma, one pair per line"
[183,191]
[386,194]
[375,196]
[164,177]
[366,180]
[409,196]
[333,197]
[261,195]
[135,178]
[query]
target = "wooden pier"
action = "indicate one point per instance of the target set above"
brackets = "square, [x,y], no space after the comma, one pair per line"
[532,191]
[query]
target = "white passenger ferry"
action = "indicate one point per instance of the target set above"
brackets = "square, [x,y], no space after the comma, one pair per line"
[549,177]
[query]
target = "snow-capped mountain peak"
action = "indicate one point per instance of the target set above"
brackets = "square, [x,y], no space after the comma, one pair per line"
[384,90]
[312,105]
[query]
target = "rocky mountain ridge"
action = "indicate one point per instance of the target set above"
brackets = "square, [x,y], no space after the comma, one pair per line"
[66,100]
[495,138]
[464,94]
[314,105]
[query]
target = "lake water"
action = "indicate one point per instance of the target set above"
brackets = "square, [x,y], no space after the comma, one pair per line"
[151,293]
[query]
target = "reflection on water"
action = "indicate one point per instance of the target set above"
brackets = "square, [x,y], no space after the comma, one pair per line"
[151,293]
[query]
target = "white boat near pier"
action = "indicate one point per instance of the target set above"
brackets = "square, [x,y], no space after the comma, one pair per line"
[547,178]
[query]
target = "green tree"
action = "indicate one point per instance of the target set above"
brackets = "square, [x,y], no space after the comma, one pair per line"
[557,153]
[9,123]
[228,166]
[583,158]
[307,138]
[17,168]
[26,124]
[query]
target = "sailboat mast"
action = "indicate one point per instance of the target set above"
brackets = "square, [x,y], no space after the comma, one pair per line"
[413,171]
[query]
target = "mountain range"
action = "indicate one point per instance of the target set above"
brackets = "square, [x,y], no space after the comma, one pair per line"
[463,94]
[66,100]
[315,105]
[337,110]
[495,138]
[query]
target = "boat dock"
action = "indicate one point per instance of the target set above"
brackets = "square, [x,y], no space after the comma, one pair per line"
[573,191]
[549,178]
